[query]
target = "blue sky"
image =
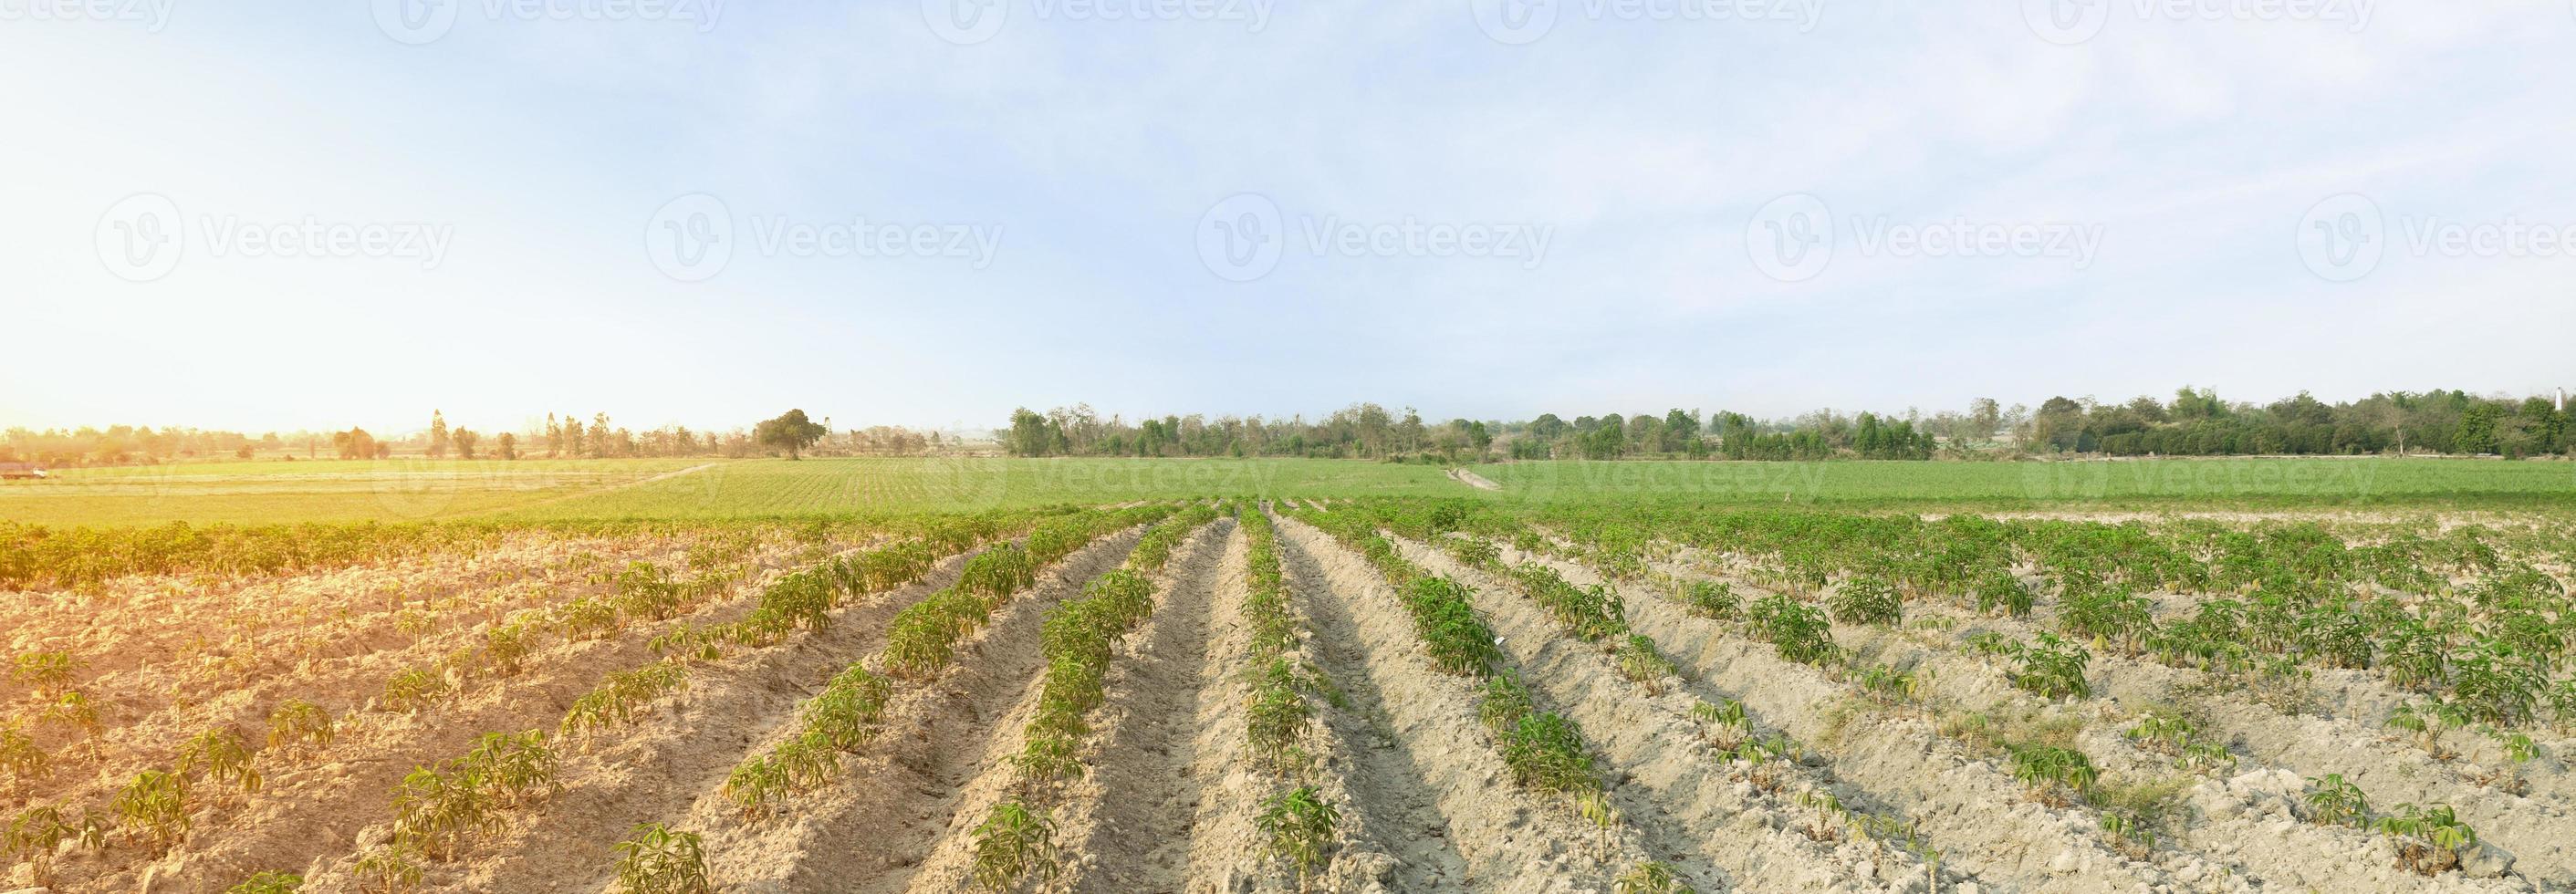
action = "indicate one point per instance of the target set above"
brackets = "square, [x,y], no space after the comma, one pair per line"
[277,215]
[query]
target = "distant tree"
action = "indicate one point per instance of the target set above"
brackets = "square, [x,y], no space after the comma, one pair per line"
[384,450]
[791,432]
[354,443]
[437,435]
[464,439]
[571,436]
[243,453]
[554,435]
[1546,427]
[509,445]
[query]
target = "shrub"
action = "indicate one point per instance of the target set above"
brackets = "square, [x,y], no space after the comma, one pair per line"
[1867,599]
[1799,632]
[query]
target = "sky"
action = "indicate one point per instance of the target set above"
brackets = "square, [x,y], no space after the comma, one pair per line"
[275,215]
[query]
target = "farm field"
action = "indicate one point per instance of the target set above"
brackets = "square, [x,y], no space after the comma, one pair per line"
[1390,693]
[414,490]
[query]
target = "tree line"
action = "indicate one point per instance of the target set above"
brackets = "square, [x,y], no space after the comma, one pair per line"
[2195,422]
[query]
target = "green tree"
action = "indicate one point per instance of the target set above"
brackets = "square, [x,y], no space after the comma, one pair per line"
[791,432]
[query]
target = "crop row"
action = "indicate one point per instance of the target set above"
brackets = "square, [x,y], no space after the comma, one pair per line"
[846,716]
[1543,751]
[1078,639]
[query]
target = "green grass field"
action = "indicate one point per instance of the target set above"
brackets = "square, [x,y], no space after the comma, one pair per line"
[549,490]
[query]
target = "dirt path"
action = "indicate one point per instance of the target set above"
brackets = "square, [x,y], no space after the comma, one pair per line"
[1130,821]
[1473,480]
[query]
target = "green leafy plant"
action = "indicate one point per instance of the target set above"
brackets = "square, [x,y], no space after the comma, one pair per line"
[154,805]
[414,689]
[1728,718]
[657,859]
[1651,878]
[1011,843]
[2334,801]
[389,869]
[1867,599]
[20,757]
[299,728]
[1799,632]
[1641,664]
[268,883]
[1713,599]
[1297,825]
[32,837]
[1506,700]
[49,673]
[2052,773]
[2428,841]
[221,756]
[1545,751]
